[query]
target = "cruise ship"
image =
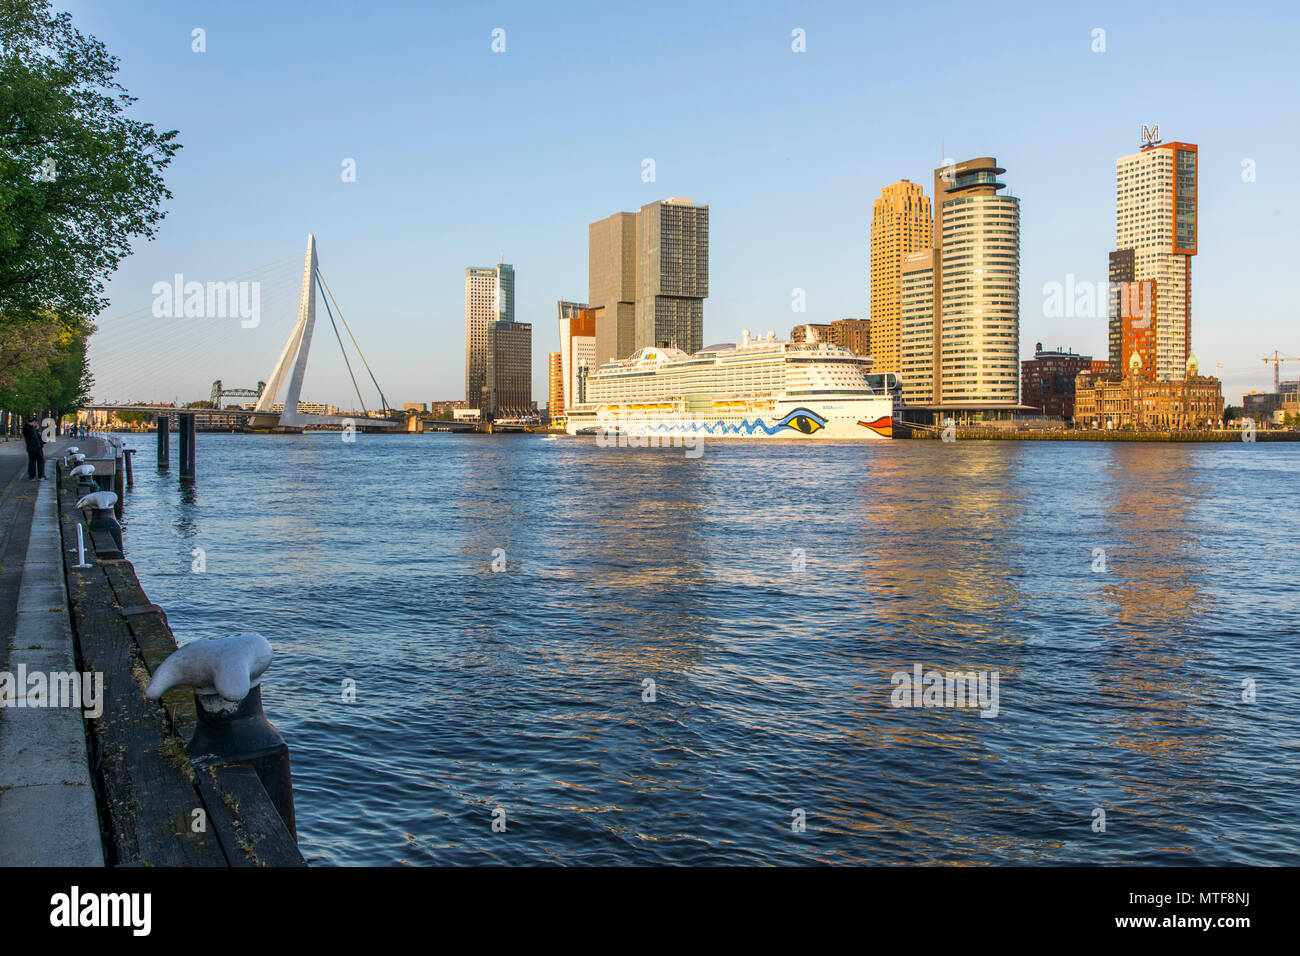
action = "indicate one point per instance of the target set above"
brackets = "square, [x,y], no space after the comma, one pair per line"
[761,388]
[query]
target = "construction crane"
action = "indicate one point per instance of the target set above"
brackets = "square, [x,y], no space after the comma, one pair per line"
[1277,361]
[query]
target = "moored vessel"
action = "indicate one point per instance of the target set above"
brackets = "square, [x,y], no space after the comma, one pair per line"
[761,388]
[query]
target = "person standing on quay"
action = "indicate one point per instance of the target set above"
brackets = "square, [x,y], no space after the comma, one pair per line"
[35,449]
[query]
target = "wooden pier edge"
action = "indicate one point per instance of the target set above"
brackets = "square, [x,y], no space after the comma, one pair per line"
[155,807]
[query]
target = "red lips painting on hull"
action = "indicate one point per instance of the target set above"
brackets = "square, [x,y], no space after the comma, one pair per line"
[884,425]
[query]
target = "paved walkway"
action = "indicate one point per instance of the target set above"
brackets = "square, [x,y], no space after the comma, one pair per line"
[48,815]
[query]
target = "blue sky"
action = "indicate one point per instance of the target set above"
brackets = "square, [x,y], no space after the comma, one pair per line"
[463,154]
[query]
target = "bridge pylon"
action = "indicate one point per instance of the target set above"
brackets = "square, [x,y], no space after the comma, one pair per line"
[292,364]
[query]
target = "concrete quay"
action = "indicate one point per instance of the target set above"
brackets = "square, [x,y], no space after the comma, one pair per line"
[48,813]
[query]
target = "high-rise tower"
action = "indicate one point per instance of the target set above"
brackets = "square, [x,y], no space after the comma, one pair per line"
[1155,239]
[489,297]
[960,338]
[900,224]
[673,276]
[611,284]
[648,274]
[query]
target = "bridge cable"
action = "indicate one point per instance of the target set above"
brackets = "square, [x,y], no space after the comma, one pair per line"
[362,356]
[344,351]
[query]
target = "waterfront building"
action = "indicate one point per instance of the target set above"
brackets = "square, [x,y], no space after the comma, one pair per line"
[1289,392]
[445,409]
[415,407]
[1155,239]
[307,408]
[649,273]
[1262,406]
[1048,380]
[811,332]
[508,388]
[1138,350]
[554,386]
[611,283]
[577,345]
[855,335]
[673,277]
[901,223]
[1192,401]
[1275,407]
[852,334]
[489,297]
[968,365]
[916,327]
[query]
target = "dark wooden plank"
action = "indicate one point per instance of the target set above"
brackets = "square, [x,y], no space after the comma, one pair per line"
[244,820]
[146,782]
[154,638]
[149,790]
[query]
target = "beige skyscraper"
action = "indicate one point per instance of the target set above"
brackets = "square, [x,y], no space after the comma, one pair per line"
[900,224]
[916,327]
[960,339]
[649,273]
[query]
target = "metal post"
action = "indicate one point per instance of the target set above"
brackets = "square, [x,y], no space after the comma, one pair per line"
[186,437]
[164,442]
[118,490]
[81,549]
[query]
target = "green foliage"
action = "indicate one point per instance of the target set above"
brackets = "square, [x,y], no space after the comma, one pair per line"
[78,182]
[135,418]
[49,372]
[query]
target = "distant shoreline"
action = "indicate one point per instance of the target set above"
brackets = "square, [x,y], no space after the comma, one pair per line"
[1099,435]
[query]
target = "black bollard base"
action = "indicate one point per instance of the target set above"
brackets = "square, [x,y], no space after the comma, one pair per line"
[103,522]
[240,734]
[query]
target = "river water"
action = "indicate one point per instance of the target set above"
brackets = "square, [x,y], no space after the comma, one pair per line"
[690,660]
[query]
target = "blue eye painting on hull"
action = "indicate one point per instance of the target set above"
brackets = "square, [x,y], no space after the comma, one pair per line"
[802,420]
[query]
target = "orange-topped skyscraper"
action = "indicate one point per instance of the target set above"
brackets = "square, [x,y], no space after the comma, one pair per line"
[900,223]
[1155,239]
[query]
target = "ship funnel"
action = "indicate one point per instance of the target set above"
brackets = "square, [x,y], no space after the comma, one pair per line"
[744,339]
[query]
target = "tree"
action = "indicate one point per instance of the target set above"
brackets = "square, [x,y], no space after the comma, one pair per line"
[135,418]
[53,376]
[78,182]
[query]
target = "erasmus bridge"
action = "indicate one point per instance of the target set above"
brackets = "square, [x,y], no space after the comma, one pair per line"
[268,414]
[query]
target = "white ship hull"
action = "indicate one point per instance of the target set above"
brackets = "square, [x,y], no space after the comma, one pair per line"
[845,418]
[760,389]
